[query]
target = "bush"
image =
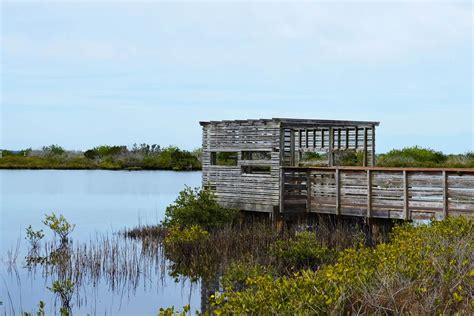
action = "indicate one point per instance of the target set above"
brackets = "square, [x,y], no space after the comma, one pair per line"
[198,207]
[303,251]
[423,270]
[412,157]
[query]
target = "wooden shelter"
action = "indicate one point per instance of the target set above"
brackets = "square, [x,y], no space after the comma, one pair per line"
[296,166]
[242,159]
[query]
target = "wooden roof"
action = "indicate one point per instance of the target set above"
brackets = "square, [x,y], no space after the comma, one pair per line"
[294,121]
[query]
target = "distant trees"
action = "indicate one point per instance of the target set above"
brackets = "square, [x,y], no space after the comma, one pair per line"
[53,150]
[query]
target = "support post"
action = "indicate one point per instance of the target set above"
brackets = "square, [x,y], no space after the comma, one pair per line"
[369,193]
[338,191]
[405,195]
[372,142]
[314,138]
[292,147]
[365,147]
[347,138]
[308,191]
[356,141]
[445,194]
[282,190]
[331,146]
[306,138]
[338,138]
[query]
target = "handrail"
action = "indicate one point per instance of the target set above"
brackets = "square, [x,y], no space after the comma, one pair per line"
[360,168]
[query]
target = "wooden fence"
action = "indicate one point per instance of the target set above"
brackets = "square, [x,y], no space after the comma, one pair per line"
[399,193]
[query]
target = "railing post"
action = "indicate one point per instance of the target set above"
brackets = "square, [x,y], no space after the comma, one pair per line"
[445,194]
[282,190]
[405,195]
[369,193]
[338,191]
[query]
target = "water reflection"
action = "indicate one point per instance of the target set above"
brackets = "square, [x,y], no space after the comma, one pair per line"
[132,278]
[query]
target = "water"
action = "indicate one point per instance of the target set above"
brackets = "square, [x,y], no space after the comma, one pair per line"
[98,202]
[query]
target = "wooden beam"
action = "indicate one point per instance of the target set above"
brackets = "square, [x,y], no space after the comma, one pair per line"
[308,191]
[314,138]
[338,138]
[338,191]
[347,138]
[445,194]
[306,138]
[365,147]
[372,162]
[292,147]
[331,146]
[322,138]
[282,190]
[356,137]
[369,193]
[406,199]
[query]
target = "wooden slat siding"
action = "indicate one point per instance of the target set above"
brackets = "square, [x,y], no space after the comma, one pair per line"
[369,193]
[365,147]
[406,198]
[399,193]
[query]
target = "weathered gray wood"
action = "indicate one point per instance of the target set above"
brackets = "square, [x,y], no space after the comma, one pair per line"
[445,194]
[369,193]
[372,142]
[365,147]
[331,146]
[406,201]
[338,191]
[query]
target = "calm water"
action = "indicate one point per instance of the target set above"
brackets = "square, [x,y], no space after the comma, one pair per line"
[98,202]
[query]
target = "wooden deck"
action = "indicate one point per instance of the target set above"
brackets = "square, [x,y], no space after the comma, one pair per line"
[398,193]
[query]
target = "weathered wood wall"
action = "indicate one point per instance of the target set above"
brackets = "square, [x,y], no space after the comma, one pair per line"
[233,187]
[399,193]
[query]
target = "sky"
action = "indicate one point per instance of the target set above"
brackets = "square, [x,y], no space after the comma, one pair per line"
[81,74]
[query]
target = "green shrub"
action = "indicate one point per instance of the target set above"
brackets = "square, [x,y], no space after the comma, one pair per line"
[303,251]
[198,207]
[422,270]
[412,157]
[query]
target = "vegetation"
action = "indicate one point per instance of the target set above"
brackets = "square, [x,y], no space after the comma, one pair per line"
[422,270]
[143,156]
[198,207]
[424,157]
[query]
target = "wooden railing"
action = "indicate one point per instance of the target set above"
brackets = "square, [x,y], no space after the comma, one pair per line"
[399,193]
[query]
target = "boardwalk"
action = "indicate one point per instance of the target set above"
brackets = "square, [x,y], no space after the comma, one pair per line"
[398,193]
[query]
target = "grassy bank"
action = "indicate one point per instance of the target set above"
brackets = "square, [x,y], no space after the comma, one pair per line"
[143,157]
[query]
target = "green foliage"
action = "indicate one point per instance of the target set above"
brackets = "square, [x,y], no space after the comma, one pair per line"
[313,156]
[423,270]
[303,251]
[59,225]
[33,236]
[105,151]
[39,312]
[198,207]
[412,157]
[53,150]
[170,311]
[143,156]
[64,289]
[187,235]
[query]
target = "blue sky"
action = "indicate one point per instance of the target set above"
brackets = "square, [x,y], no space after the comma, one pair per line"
[88,73]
